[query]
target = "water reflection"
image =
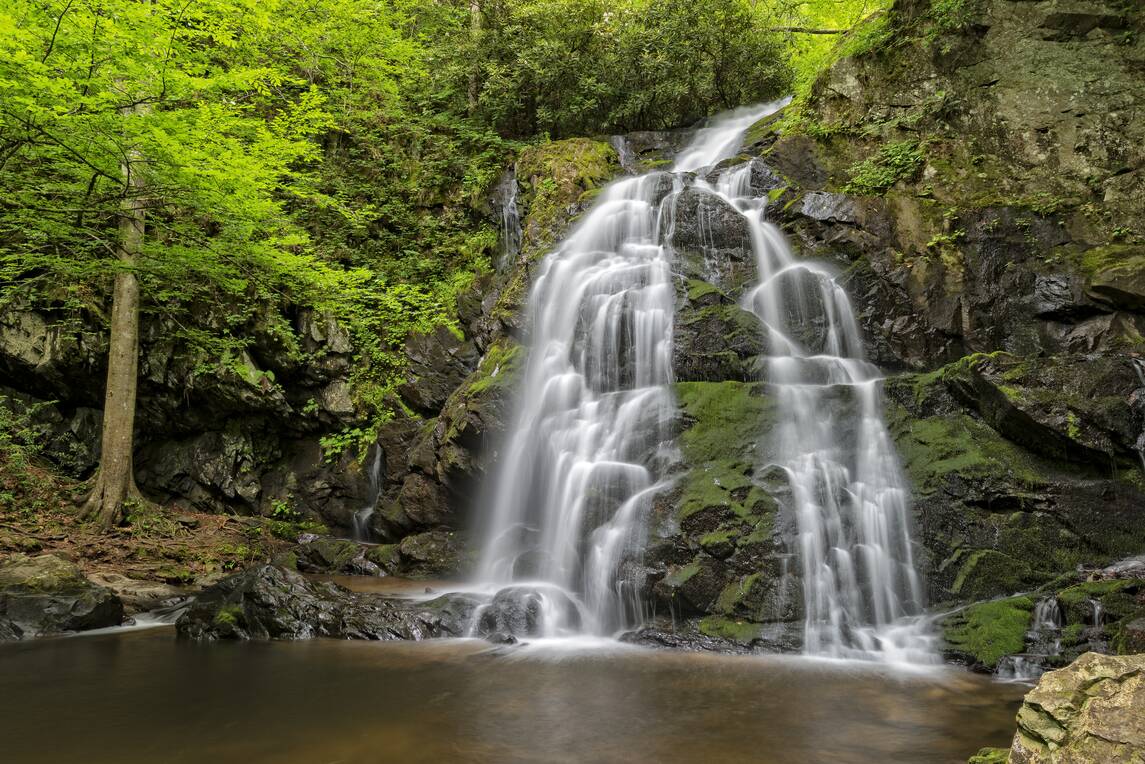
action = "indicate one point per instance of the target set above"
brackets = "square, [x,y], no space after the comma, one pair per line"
[144,697]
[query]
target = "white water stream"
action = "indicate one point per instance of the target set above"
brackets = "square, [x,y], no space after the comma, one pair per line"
[590,442]
[590,445]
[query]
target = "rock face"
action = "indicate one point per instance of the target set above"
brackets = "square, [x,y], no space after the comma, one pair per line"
[1087,713]
[268,602]
[47,595]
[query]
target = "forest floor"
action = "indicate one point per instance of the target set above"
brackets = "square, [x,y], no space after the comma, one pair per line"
[173,545]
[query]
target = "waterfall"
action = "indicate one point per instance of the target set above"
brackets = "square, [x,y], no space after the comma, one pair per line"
[505,199]
[850,498]
[591,442]
[363,515]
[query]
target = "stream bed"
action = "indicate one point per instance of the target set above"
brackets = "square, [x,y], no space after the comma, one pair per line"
[144,696]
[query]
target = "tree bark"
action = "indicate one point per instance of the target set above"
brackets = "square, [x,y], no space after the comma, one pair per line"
[474,36]
[115,481]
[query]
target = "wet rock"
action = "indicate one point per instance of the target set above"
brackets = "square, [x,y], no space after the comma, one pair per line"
[138,596]
[47,595]
[518,611]
[213,471]
[1088,713]
[434,553]
[761,179]
[714,339]
[439,362]
[828,208]
[327,555]
[272,603]
[1119,279]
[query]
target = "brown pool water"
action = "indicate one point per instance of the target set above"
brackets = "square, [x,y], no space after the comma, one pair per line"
[143,696]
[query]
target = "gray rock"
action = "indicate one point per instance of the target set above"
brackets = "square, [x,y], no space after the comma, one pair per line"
[828,208]
[47,595]
[272,603]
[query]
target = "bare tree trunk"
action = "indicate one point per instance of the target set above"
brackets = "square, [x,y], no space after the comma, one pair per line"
[115,482]
[474,35]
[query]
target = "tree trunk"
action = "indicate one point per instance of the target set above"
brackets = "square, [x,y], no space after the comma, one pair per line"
[115,481]
[474,36]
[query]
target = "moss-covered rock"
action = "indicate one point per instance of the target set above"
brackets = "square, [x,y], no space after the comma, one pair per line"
[1089,713]
[985,632]
[45,594]
[994,516]
[557,184]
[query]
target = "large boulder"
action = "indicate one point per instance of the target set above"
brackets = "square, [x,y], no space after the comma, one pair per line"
[268,602]
[1087,713]
[47,595]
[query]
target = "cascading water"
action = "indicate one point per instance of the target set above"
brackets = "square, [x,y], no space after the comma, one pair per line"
[1043,641]
[363,515]
[850,498]
[590,445]
[591,439]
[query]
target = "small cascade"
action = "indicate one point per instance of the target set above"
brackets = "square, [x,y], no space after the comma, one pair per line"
[862,595]
[505,198]
[1139,367]
[624,153]
[1043,641]
[362,516]
[1098,612]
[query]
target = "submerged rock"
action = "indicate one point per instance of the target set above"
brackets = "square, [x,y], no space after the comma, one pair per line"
[1087,713]
[47,595]
[268,602]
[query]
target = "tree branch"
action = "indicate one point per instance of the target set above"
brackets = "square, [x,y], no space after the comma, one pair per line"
[805,30]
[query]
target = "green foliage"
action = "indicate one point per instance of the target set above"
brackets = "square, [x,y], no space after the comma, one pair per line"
[582,67]
[893,162]
[947,16]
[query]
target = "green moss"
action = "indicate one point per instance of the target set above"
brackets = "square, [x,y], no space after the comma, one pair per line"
[990,756]
[555,175]
[680,576]
[719,537]
[1127,257]
[744,632]
[933,448]
[1092,590]
[724,418]
[499,367]
[229,615]
[697,290]
[986,571]
[893,162]
[990,630]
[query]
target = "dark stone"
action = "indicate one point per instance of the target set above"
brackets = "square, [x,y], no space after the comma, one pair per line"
[272,603]
[47,595]
[438,363]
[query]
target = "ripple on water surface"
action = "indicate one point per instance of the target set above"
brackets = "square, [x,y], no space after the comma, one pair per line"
[144,697]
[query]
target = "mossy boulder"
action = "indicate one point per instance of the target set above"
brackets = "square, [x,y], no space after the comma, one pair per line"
[1088,713]
[717,544]
[45,595]
[984,633]
[713,338]
[558,182]
[994,516]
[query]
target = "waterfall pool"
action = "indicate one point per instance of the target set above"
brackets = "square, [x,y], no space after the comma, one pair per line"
[143,696]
